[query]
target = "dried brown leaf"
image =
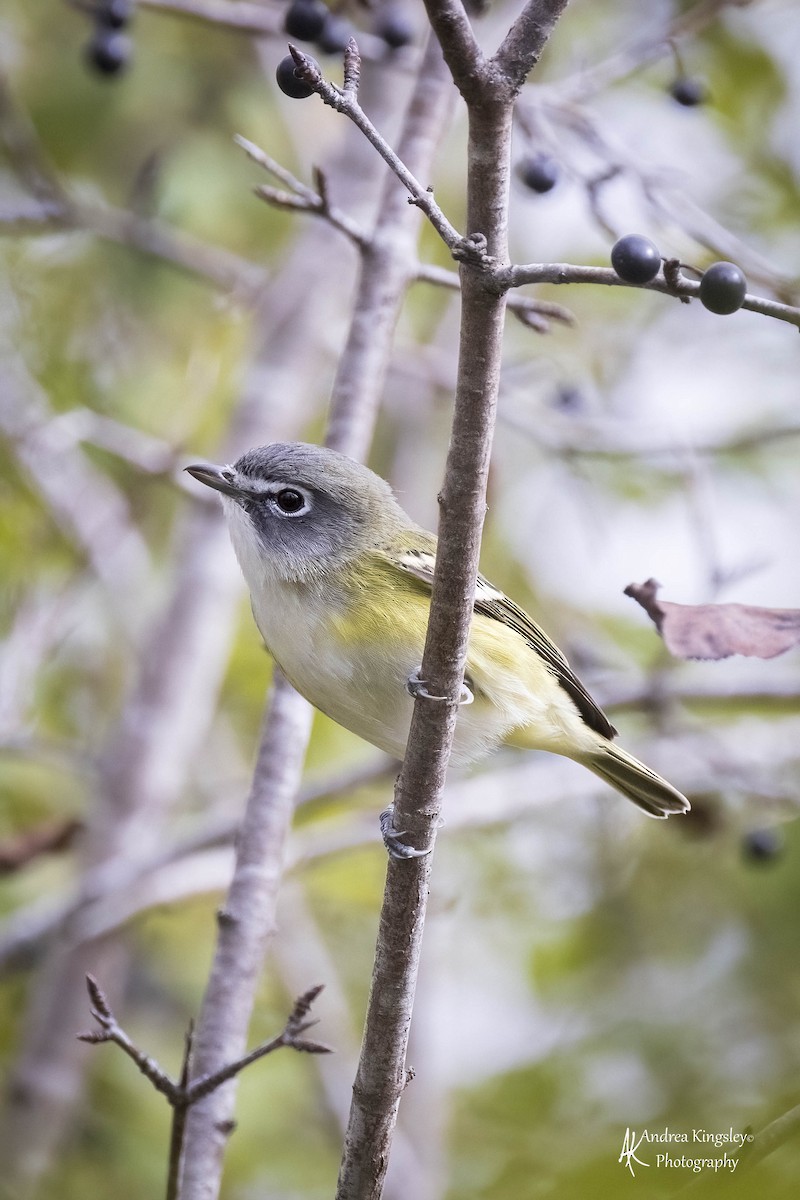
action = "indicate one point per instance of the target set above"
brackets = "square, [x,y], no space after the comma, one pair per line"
[714,631]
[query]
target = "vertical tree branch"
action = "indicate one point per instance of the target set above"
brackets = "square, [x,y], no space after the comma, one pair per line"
[244,923]
[249,913]
[381,1075]
[520,49]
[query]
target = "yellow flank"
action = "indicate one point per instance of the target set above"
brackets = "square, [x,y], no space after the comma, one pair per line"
[517,698]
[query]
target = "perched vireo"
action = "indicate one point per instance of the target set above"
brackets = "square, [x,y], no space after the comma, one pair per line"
[340,580]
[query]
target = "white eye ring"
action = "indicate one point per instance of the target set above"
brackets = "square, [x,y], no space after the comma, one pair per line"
[291,502]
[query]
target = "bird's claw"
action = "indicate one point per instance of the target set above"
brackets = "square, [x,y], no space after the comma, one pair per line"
[391,838]
[418,687]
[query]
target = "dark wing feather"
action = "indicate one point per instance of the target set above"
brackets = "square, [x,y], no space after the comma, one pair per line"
[491,602]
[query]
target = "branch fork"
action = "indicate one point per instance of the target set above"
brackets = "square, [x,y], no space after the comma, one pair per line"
[185,1092]
[470,248]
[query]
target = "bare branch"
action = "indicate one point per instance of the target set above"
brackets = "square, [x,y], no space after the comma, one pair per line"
[387,265]
[659,185]
[152,455]
[346,103]
[28,216]
[244,923]
[158,240]
[81,499]
[240,16]
[770,1138]
[525,40]
[25,153]
[463,55]
[561,273]
[143,767]
[47,838]
[318,205]
[289,1036]
[58,210]
[279,172]
[603,439]
[381,1074]
[111,1031]
[532,312]
[643,51]
[184,1094]
[178,1129]
[529,310]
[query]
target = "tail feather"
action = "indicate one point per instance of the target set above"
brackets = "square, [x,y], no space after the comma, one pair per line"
[636,781]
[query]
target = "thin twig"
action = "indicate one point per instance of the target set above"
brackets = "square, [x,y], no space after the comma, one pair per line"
[274,168]
[178,1126]
[111,1031]
[768,1139]
[563,273]
[301,197]
[659,186]
[643,51]
[534,313]
[346,103]
[184,1094]
[25,153]
[289,1036]
[240,16]
[81,499]
[604,439]
[528,309]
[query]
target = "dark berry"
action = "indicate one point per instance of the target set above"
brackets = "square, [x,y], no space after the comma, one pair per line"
[569,399]
[305,19]
[762,845]
[290,82]
[395,27]
[723,288]
[539,172]
[689,91]
[335,34]
[635,258]
[114,14]
[109,51]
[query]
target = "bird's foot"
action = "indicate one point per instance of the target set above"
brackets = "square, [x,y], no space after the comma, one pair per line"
[396,848]
[418,687]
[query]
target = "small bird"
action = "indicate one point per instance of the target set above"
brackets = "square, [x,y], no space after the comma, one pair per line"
[340,580]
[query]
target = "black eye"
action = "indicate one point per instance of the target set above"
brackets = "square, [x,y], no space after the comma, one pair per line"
[290,501]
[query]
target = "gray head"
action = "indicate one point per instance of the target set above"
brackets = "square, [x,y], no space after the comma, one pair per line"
[294,509]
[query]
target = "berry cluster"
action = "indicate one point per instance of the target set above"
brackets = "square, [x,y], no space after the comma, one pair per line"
[108,51]
[637,260]
[313,21]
